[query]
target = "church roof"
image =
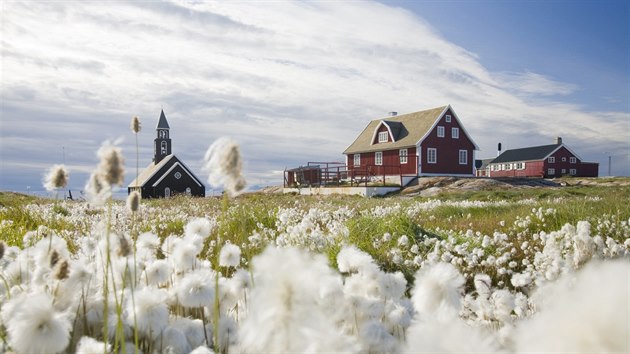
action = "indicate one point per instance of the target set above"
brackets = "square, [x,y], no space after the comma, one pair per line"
[149,172]
[162,123]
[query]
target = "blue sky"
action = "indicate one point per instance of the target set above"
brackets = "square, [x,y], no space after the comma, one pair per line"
[297,81]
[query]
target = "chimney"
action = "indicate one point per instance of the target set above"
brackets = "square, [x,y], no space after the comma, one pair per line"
[499,149]
[558,140]
[392,114]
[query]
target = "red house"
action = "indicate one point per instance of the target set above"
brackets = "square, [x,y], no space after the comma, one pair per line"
[426,143]
[546,161]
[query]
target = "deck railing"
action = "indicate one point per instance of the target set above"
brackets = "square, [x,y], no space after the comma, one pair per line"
[321,174]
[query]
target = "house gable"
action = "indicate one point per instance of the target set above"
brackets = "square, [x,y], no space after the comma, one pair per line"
[441,121]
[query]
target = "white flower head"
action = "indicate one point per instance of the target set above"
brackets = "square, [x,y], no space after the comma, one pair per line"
[35,327]
[223,164]
[437,291]
[57,177]
[230,256]
[151,311]
[199,227]
[112,165]
[135,125]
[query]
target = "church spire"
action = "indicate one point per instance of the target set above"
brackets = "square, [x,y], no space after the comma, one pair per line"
[162,142]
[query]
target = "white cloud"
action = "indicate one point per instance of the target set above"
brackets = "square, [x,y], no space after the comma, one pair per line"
[291,81]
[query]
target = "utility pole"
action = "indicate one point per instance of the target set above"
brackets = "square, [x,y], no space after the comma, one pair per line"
[609,162]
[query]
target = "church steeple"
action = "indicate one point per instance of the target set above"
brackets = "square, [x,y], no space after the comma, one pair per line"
[162,145]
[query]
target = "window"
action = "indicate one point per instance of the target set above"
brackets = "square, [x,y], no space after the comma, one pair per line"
[455,133]
[551,159]
[573,172]
[507,166]
[463,157]
[440,131]
[431,155]
[564,159]
[520,166]
[572,160]
[357,159]
[551,171]
[188,191]
[378,158]
[448,118]
[403,156]
[382,137]
[167,192]
[564,171]
[163,148]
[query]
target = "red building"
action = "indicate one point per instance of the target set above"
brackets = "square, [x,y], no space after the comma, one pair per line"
[426,143]
[546,161]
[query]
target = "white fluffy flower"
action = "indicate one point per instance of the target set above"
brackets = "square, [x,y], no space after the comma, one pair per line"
[223,164]
[198,226]
[196,289]
[57,177]
[35,327]
[230,256]
[151,311]
[89,345]
[437,291]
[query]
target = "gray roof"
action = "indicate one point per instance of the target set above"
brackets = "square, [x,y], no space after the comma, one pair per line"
[483,163]
[527,154]
[407,130]
[162,123]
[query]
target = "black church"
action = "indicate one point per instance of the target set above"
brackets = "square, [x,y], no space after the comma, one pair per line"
[166,175]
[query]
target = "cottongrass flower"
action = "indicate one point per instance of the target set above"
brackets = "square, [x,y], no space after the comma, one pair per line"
[135,125]
[438,291]
[57,177]
[112,164]
[223,163]
[151,311]
[230,256]
[585,313]
[97,190]
[196,289]
[35,327]
[286,313]
[202,350]
[201,227]
[89,345]
[133,201]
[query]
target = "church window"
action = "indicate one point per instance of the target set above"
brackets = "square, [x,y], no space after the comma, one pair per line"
[163,148]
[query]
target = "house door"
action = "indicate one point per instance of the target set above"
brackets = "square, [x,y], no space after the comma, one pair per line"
[167,192]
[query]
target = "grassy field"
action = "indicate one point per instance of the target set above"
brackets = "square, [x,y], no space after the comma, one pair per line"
[341,219]
[235,275]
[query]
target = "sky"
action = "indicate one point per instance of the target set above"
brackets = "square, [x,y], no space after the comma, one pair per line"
[296,81]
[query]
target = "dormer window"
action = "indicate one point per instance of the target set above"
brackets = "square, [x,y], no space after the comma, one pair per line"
[382,137]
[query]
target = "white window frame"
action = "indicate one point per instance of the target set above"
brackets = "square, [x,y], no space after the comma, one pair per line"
[463,157]
[573,171]
[572,159]
[551,171]
[403,153]
[382,137]
[440,131]
[357,159]
[551,159]
[447,118]
[455,133]
[564,171]
[378,158]
[520,166]
[507,166]
[564,159]
[431,155]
